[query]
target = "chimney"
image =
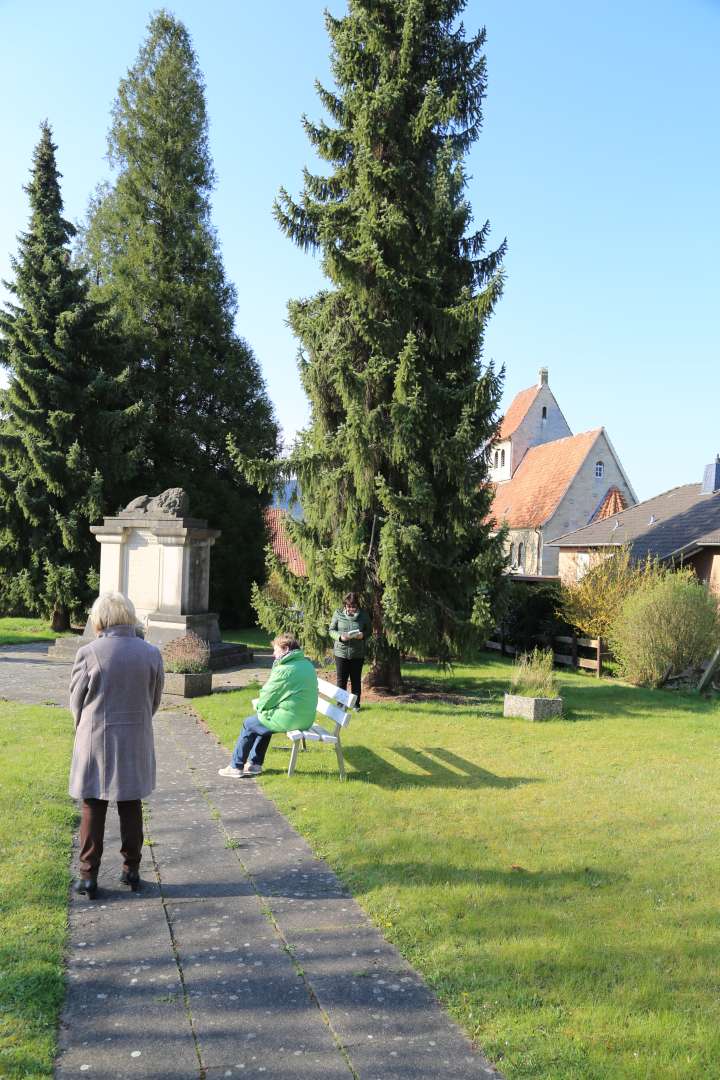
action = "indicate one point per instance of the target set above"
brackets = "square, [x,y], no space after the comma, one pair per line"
[543,376]
[711,477]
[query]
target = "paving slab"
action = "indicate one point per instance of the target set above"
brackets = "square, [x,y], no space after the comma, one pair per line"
[28,676]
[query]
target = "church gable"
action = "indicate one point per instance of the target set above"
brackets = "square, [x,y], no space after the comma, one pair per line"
[533,418]
[599,472]
[542,423]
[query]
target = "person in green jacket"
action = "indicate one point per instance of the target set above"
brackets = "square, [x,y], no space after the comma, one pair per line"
[287,702]
[350,629]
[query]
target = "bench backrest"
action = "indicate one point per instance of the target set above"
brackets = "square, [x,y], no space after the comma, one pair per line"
[334,702]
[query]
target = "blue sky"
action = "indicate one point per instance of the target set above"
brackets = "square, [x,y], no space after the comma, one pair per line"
[599,161]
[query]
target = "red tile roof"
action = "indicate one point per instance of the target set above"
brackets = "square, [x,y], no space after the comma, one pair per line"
[517,411]
[540,481]
[613,503]
[281,543]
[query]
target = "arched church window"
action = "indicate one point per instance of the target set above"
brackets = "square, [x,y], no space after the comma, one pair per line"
[599,469]
[502,458]
[521,552]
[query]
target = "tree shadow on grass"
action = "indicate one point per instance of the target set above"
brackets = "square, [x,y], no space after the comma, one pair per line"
[434,761]
[610,701]
[557,884]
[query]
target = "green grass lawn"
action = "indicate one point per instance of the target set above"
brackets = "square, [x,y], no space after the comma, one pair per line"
[24,631]
[36,823]
[254,636]
[555,883]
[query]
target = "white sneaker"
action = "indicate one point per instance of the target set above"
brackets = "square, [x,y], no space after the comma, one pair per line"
[252,770]
[230,770]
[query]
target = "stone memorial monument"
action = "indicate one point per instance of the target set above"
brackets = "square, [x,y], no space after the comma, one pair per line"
[159,556]
[155,553]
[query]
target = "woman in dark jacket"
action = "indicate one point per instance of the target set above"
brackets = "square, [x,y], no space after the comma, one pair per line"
[350,629]
[115,689]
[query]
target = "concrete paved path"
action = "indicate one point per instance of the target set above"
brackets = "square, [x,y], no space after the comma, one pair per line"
[243,956]
[27,675]
[30,674]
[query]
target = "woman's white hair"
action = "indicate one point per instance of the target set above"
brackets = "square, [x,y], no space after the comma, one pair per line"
[112,609]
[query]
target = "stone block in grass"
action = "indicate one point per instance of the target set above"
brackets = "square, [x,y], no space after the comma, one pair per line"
[532,708]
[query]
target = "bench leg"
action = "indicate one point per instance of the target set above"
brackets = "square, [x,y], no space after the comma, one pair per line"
[293,758]
[340,759]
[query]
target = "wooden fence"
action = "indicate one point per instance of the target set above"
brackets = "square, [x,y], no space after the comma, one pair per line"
[567,652]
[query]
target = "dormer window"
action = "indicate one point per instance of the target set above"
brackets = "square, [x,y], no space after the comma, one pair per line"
[599,470]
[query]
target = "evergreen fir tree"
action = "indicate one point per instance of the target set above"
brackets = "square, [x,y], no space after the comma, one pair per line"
[393,467]
[68,431]
[155,258]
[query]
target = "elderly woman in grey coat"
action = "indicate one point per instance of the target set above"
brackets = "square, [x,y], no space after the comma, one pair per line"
[115,689]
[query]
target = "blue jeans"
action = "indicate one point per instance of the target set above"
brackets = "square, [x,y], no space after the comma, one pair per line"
[252,743]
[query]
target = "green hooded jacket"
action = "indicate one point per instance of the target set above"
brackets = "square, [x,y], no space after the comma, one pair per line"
[289,698]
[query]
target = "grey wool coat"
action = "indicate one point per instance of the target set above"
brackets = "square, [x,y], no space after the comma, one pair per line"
[115,689]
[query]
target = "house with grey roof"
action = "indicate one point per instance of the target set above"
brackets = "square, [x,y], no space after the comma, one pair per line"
[679,527]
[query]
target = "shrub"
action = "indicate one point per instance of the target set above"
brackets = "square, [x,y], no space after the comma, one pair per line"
[666,626]
[529,614]
[594,603]
[533,675]
[187,655]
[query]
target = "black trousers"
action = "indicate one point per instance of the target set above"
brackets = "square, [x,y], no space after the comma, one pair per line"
[92,834]
[352,670]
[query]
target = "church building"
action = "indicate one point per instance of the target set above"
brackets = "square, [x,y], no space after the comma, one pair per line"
[548,481]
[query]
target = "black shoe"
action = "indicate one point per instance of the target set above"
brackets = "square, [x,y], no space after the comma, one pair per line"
[131,878]
[86,887]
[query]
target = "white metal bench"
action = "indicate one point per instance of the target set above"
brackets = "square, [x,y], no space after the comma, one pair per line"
[334,705]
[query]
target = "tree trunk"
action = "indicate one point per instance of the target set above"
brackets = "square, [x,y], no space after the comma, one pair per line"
[60,620]
[385,671]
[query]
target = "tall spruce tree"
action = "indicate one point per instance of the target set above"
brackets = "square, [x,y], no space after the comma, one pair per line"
[156,260]
[392,467]
[68,427]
